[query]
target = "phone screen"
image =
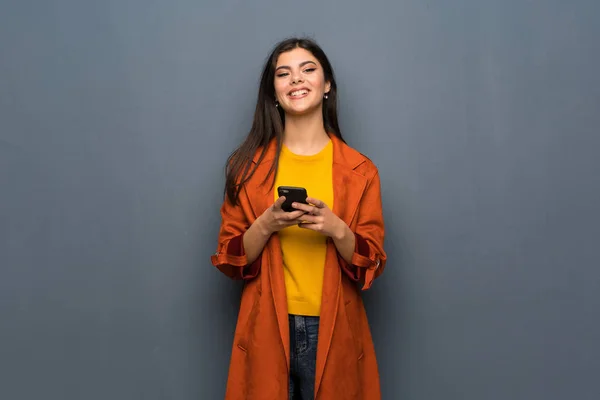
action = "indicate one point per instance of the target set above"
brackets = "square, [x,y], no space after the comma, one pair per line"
[292,195]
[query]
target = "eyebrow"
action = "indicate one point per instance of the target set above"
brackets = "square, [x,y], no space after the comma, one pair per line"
[302,64]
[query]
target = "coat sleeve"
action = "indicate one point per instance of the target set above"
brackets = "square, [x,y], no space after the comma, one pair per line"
[230,257]
[369,258]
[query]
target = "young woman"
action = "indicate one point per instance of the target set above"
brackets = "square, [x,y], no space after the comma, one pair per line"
[302,330]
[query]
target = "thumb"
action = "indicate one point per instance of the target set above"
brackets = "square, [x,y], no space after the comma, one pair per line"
[277,205]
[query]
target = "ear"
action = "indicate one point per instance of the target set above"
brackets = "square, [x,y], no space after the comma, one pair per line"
[327,87]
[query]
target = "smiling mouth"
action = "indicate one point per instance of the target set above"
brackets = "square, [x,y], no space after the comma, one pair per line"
[298,93]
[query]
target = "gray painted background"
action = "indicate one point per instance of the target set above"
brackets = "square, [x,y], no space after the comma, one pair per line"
[115,121]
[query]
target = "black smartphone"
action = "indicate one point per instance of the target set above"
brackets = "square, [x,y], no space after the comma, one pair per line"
[292,195]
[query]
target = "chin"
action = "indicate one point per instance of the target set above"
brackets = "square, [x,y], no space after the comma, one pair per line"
[303,110]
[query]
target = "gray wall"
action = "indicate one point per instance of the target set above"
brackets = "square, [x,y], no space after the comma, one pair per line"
[115,121]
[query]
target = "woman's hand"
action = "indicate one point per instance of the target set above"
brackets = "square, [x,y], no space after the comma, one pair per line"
[275,219]
[321,219]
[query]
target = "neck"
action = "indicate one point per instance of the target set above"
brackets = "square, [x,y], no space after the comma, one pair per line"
[305,134]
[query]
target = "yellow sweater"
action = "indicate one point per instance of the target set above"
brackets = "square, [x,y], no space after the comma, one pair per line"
[304,249]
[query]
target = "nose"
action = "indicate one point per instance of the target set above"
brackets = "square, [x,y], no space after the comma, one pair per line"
[296,78]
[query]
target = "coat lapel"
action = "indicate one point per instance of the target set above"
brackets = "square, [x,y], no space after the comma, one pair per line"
[348,188]
[261,196]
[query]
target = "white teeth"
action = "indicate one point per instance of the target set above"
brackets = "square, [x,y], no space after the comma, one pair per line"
[299,93]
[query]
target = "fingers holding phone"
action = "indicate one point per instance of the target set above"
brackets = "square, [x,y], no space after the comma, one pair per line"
[320,218]
[276,218]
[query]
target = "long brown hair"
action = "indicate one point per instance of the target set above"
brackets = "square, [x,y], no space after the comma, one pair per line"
[269,120]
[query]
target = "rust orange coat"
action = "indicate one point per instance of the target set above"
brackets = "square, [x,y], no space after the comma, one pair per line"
[346,366]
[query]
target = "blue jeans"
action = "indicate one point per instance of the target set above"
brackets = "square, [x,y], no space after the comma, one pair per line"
[304,332]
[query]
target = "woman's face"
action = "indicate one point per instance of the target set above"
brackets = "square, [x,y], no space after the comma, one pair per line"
[299,82]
